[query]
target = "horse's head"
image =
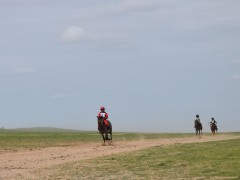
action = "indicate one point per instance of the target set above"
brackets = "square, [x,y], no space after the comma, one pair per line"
[100,122]
[213,126]
[198,124]
[100,119]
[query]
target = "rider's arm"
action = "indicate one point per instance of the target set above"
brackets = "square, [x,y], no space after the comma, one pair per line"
[99,115]
[106,115]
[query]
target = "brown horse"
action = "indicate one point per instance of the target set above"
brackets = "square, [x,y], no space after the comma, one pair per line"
[105,130]
[213,127]
[198,127]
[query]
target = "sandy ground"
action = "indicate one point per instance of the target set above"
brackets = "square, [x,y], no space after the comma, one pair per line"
[14,165]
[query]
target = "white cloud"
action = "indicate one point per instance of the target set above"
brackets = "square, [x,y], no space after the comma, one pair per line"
[74,34]
[78,34]
[235,76]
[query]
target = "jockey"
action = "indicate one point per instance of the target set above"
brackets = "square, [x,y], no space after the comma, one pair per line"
[103,115]
[197,120]
[213,121]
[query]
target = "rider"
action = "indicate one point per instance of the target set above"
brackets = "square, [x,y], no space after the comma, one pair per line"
[213,121]
[103,115]
[197,119]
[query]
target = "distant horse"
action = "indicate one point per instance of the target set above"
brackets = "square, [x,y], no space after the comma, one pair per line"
[105,130]
[214,128]
[198,127]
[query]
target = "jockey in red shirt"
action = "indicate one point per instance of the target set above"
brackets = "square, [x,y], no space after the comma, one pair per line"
[102,114]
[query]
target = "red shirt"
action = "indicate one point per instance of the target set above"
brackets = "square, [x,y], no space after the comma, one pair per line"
[104,115]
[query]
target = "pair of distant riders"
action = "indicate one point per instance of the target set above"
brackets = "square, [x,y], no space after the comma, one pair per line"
[197,120]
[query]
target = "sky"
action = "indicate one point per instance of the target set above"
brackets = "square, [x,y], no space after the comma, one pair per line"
[153,64]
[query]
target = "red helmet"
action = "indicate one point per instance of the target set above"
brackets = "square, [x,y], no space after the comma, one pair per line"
[102,108]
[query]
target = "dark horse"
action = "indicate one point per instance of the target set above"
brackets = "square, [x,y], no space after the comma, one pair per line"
[214,128]
[104,130]
[198,127]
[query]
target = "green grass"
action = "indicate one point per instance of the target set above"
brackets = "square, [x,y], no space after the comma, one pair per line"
[35,138]
[211,160]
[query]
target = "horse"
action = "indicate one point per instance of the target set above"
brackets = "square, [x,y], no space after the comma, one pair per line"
[214,128]
[198,127]
[104,130]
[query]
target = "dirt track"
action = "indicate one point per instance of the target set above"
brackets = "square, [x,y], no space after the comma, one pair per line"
[14,165]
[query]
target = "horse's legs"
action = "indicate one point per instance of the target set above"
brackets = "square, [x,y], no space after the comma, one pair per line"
[197,133]
[213,130]
[110,135]
[106,135]
[103,137]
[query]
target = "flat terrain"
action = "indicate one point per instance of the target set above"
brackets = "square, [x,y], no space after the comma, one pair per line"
[27,163]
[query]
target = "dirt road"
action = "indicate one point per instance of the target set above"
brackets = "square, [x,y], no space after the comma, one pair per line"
[14,165]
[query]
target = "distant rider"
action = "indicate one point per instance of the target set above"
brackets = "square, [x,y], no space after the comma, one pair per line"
[213,121]
[197,120]
[103,115]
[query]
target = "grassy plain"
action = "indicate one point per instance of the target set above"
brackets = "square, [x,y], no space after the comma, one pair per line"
[209,160]
[20,139]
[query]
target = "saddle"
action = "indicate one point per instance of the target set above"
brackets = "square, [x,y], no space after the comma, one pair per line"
[106,122]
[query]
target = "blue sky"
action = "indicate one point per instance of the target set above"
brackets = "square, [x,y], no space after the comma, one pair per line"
[153,64]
